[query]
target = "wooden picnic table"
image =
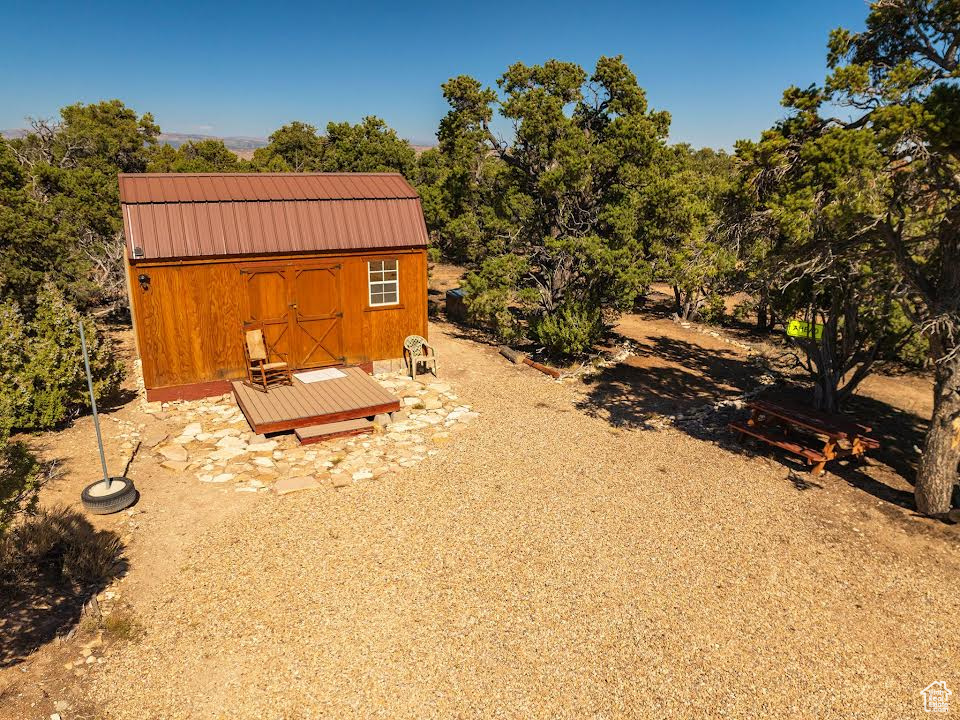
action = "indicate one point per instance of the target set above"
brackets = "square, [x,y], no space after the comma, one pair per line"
[815,436]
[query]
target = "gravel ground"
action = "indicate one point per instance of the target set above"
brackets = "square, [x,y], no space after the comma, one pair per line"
[547,564]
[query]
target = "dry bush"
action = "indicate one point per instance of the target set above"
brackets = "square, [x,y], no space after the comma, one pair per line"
[121,625]
[59,541]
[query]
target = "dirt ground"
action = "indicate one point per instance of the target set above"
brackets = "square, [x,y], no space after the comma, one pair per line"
[568,555]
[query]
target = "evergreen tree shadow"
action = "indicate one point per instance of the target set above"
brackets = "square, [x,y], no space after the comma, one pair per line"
[670,377]
[667,376]
[43,593]
[900,434]
[115,401]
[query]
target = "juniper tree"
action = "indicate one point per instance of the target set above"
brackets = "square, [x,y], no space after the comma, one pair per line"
[203,156]
[679,225]
[368,146]
[898,145]
[566,193]
[65,201]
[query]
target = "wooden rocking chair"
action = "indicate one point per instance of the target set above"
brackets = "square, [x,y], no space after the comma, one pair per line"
[261,373]
[417,350]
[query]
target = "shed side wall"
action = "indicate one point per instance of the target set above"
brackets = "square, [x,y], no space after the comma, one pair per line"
[189,322]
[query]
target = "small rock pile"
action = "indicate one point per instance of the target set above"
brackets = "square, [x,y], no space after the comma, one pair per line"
[216,445]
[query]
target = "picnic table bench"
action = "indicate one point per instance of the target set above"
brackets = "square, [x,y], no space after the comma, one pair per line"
[815,436]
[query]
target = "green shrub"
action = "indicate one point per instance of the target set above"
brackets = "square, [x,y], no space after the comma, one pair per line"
[713,310]
[20,479]
[571,330]
[490,309]
[42,373]
[489,295]
[744,310]
[915,352]
[14,396]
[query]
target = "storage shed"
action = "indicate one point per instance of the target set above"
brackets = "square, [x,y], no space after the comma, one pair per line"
[333,267]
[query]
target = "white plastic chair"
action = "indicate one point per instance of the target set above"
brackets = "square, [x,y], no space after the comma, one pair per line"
[419,351]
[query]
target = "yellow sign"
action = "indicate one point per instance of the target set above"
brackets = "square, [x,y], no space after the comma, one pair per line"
[805,330]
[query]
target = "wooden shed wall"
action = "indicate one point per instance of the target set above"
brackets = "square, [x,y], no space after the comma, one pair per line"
[189,321]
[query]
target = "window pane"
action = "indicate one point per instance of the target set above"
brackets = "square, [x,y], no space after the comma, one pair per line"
[383,282]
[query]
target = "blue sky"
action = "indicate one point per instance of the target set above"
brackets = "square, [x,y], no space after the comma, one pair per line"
[246,68]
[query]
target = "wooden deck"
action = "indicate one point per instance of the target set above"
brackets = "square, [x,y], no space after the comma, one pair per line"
[288,407]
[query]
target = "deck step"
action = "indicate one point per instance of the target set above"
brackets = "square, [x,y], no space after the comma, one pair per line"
[778,440]
[317,433]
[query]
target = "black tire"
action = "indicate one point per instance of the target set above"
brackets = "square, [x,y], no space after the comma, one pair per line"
[122,495]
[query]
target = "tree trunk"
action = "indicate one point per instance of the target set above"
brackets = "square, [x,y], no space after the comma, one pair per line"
[762,315]
[678,299]
[825,394]
[937,473]
[687,305]
[823,355]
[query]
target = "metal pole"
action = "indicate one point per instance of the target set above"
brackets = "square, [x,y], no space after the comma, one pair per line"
[93,404]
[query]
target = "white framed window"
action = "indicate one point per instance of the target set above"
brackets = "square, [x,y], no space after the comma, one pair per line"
[383,279]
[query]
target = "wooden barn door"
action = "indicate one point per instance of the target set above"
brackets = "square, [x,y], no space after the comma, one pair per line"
[268,306]
[317,315]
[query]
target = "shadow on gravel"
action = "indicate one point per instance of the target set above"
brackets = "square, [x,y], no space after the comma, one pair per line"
[117,401]
[899,433]
[51,566]
[803,481]
[670,377]
[666,376]
[461,330]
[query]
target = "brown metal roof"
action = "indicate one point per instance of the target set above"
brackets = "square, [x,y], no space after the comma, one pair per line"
[237,187]
[206,215]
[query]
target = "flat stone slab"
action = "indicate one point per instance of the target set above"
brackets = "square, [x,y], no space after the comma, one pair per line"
[295,484]
[154,436]
[316,433]
[227,453]
[262,446]
[231,441]
[177,453]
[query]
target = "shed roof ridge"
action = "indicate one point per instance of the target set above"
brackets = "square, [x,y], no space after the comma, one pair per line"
[143,188]
[367,198]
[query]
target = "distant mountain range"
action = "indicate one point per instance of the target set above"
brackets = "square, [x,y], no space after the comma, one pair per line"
[239,142]
[235,143]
